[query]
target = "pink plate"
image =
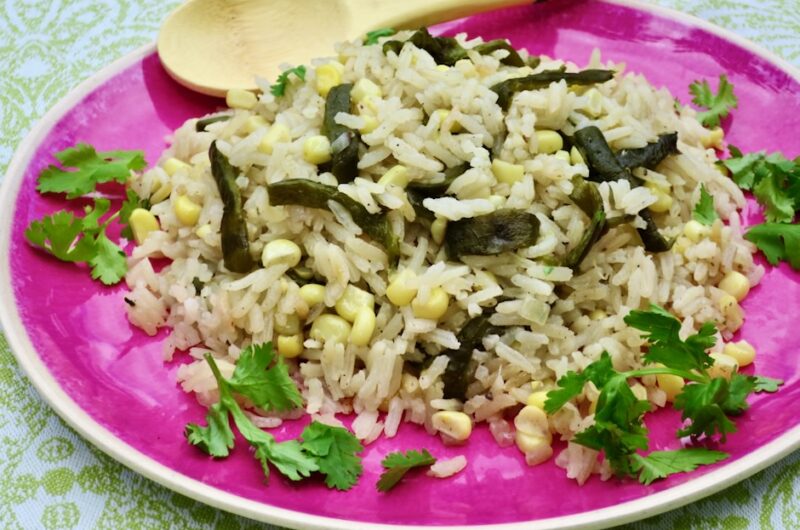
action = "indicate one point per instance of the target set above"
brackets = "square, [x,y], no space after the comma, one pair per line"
[108,381]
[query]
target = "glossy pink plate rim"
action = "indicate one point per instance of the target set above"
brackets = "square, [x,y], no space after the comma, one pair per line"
[108,380]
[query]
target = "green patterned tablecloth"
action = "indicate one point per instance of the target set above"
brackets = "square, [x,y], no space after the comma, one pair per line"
[51,478]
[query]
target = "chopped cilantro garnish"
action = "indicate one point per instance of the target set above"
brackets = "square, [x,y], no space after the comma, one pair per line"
[269,388]
[81,240]
[396,465]
[704,211]
[372,36]
[717,105]
[279,88]
[335,449]
[774,180]
[707,403]
[84,168]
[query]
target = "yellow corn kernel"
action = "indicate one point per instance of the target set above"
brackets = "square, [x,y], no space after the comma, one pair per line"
[466,67]
[440,116]
[549,142]
[507,173]
[575,156]
[454,424]
[563,155]
[329,75]
[438,229]
[290,325]
[398,292]
[173,165]
[290,346]
[735,284]
[281,251]
[742,352]
[594,103]
[203,231]
[724,366]
[312,293]
[397,176]
[277,134]
[352,300]
[254,123]
[713,138]
[537,399]
[329,327]
[434,307]
[442,67]
[237,98]
[363,327]
[663,199]
[317,149]
[533,422]
[535,448]
[142,222]
[598,314]
[365,88]
[731,310]
[186,210]
[161,193]
[671,385]
[695,231]
[370,124]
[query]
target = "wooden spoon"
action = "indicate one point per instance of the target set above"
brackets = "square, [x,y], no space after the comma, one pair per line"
[211,46]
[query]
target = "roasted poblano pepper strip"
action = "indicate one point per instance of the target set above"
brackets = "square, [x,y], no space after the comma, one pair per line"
[202,123]
[447,50]
[233,228]
[650,155]
[303,192]
[506,89]
[459,371]
[344,141]
[487,235]
[604,166]
[586,196]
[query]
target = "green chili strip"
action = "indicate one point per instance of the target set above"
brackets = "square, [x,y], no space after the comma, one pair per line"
[486,235]
[344,141]
[506,89]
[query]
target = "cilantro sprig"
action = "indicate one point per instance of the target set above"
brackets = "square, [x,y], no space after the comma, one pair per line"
[278,89]
[396,465]
[707,403]
[704,211]
[717,105]
[81,240]
[324,448]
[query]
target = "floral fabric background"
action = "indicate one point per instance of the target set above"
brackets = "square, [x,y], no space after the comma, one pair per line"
[51,478]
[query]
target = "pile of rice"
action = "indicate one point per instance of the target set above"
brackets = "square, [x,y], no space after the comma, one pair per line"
[583,309]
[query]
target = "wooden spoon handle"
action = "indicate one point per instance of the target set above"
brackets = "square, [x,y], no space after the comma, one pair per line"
[411,14]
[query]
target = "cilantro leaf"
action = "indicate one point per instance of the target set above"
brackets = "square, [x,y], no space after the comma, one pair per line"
[766,384]
[705,404]
[57,235]
[571,384]
[661,464]
[279,88]
[372,36]
[770,191]
[774,180]
[396,465]
[335,449]
[718,105]
[268,388]
[109,263]
[704,211]
[777,241]
[216,438]
[83,169]
[666,347]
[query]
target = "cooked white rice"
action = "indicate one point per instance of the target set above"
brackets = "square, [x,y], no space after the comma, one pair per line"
[554,320]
